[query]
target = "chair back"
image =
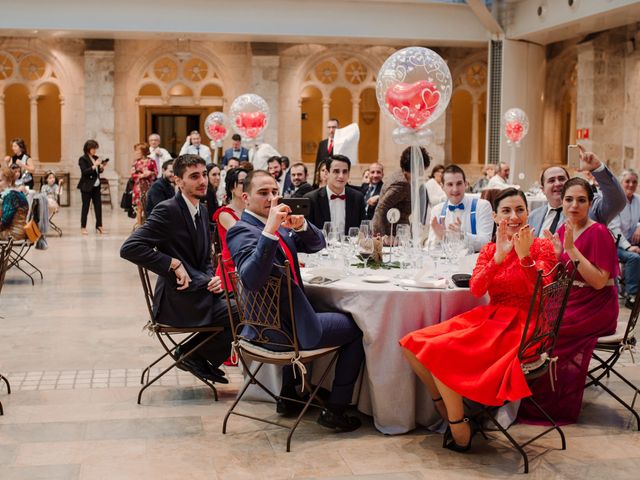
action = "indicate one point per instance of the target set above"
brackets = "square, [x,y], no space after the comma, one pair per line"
[545,314]
[148,291]
[633,321]
[260,311]
[5,256]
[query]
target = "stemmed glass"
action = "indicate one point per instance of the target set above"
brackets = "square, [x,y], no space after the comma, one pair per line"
[365,228]
[365,250]
[455,247]
[435,250]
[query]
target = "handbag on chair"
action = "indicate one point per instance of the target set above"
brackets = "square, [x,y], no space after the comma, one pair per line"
[32,231]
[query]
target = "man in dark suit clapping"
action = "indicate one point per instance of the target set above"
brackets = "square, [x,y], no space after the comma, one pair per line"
[343,207]
[175,244]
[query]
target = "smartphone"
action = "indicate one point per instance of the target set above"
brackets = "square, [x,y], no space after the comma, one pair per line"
[573,157]
[298,206]
[106,160]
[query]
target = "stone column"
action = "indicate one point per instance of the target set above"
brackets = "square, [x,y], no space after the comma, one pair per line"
[99,109]
[33,148]
[326,104]
[264,76]
[475,119]
[355,104]
[2,126]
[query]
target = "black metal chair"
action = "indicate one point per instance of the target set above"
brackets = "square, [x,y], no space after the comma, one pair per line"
[612,347]
[536,348]
[5,251]
[259,311]
[171,338]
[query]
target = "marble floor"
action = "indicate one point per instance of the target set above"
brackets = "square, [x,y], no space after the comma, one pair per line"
[73,346]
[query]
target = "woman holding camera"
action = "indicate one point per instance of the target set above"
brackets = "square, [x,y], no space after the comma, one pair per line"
[91,166]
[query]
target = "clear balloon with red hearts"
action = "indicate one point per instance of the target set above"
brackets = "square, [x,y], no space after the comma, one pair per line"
[413,87]
[215,127]
[249,115]
[516,125]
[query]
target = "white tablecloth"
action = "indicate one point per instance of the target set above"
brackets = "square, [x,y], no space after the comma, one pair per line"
[390,391]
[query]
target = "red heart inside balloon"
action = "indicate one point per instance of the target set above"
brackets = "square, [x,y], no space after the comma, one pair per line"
[513,131]
[251,123]
[411,104]
[216,131]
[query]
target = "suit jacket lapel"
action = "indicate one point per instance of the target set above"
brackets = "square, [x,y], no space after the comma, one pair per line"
[350,213]
[325,211]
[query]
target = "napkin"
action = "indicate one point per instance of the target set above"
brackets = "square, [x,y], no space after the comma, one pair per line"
[320,275]
[440,283]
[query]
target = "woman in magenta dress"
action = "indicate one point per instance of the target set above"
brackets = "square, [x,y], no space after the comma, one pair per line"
[227,216]
[475,354]
[591,311]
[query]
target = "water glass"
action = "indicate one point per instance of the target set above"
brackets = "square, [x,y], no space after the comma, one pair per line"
[436,252]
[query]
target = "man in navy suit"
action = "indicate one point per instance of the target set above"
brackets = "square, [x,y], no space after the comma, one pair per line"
[175,244]
[371,190]
[236,151]
[606,204]
[335,203]
[266,235]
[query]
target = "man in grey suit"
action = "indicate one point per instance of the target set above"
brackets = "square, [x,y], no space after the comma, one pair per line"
[606,204]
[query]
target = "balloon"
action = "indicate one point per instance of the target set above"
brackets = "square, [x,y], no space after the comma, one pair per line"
[413,87]
[250,114]
[214,127]
[516,126]
[412,104]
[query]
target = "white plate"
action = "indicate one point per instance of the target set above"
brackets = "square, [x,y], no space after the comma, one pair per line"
[375,279]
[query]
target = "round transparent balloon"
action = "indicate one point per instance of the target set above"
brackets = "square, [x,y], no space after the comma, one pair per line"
[249,115]
[414,87]
[516,125]
[215,127]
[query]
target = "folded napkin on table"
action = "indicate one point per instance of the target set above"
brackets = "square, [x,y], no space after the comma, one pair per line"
[423,283]
[320,275]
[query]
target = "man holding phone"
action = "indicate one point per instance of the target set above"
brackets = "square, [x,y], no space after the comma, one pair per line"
[268,235]
[606,204]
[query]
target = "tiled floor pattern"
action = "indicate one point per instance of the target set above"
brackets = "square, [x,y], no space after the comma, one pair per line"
[73,350]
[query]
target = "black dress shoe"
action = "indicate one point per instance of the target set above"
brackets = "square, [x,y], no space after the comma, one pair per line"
[202,369]
[630,302]
[289,408]
[339,422]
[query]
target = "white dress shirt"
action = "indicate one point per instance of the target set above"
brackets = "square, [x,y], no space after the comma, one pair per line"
[627,221]
[159,155]
[202,151]
[548,220]
[484,220]
[193,209]
[498,182]
[338,209]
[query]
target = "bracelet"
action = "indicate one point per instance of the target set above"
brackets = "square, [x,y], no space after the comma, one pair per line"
[176,267]
[527,266]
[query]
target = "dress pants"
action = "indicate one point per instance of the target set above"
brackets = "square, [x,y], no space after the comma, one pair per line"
[87,198]
[218,349]
[631,262]
[338,329]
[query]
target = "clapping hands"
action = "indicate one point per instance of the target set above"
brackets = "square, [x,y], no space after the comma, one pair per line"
[521,241]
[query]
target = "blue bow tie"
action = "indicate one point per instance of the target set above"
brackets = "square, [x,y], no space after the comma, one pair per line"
[453,208]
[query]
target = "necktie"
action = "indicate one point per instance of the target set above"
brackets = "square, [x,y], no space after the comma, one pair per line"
[198,150]
[372,188]
[196,219]
[330,147]
[289,256]
[339,197]
[453,208]
[556,219]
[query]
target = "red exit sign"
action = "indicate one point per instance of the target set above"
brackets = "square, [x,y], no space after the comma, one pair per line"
[582,134]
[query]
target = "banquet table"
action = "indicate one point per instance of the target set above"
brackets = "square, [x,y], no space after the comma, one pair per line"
[390,392]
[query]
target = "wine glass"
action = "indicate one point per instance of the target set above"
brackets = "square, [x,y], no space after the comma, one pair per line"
[327,227]
[365,250]
[455,247]
[435,250]
[333,242]
[403,233]
[365,228]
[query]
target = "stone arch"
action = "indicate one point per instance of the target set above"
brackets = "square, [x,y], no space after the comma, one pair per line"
[560,105]
[333,70]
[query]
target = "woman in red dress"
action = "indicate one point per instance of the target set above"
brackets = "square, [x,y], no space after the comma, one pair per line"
[592,308]
[475,354]
[227,216]
[144,172]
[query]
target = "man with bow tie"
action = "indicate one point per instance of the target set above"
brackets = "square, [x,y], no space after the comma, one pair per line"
[268,235]
[335,203]
[236,151]
[460,213]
